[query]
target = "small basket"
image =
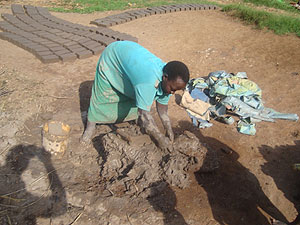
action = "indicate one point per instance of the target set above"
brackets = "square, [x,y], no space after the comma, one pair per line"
[55,137]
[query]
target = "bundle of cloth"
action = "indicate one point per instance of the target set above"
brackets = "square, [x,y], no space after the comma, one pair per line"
[222,94]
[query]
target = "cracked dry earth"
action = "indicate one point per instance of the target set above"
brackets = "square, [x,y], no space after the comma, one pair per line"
[250,179]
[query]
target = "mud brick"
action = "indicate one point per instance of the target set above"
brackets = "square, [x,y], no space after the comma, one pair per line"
[76,38]
[149,12]
[53,31]
[90,43]
[174,7]
[205,7]
[62,52]
[97,50]
[183,7]
[89,34]
[145,12]
[125,18]
[68,57]
[84,40]
[69,43]
[213,7]
[112,22]
[52,45]
[17,9]
[118,20]
[128,38]
[135,15]
[9,18]
[49,58]
[163,9]
[78,50]
[106,40]
[43,53]
[41,33]
[32,47]
[37,17]
[195,6]
[42,11]
[84,54]
[6,36]
[105,23]
[58,48]
[29,28]
[31,10]
[65,35]
[47,42]
[40,48]
[166,8]
[157,10]
[103,31]
[63,41]
[76,46]
[139,12]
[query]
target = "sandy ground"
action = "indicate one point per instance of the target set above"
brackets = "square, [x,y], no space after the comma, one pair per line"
[256,175]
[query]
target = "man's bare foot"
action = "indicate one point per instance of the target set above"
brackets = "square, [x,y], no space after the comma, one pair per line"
[88,133]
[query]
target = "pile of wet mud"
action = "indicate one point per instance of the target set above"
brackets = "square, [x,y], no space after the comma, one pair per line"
[130,162]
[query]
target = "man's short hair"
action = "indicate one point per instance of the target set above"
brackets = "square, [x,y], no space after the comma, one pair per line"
[175,69]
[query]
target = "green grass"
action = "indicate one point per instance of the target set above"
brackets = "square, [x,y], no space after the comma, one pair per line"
[89,6]
[280,24]
[277,4]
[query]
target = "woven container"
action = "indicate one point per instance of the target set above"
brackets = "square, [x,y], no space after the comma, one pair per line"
[55,137]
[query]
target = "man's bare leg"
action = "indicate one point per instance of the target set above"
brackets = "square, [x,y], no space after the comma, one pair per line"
[88,133]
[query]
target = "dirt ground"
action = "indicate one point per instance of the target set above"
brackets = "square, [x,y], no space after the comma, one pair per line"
[254,183]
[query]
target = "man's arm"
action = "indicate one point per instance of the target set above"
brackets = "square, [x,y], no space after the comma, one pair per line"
[147,122]
[163,114]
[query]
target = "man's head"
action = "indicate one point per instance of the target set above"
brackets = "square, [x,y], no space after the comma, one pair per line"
[175,77]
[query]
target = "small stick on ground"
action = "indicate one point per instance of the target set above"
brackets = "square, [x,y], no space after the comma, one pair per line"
[76,218]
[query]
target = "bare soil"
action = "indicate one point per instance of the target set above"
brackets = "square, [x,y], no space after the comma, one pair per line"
[255,180]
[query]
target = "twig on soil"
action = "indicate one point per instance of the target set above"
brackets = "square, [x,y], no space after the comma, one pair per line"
[37,114]
[14,199]
[2,72]
[4,151]
[5,210]
[26,127]
[128,219]
[11,206]
[58,97]
[76,218]
[29,184]
[111,192]
[9,221]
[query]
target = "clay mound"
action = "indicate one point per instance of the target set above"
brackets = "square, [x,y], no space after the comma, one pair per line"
[128,166]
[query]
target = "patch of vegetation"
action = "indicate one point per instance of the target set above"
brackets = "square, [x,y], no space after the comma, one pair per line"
[280,24]
[88,6]
[277,4]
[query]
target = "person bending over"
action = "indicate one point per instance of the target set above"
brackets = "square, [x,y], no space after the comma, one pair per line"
[128,79]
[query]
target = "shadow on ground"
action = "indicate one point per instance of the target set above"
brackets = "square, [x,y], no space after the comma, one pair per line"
[85,92]
[163,199]
[279,165]
[18,205]
[234,193]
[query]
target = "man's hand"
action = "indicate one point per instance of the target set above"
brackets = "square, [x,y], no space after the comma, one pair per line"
[165,144]
[146,121]
[163,114]
[170,134]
